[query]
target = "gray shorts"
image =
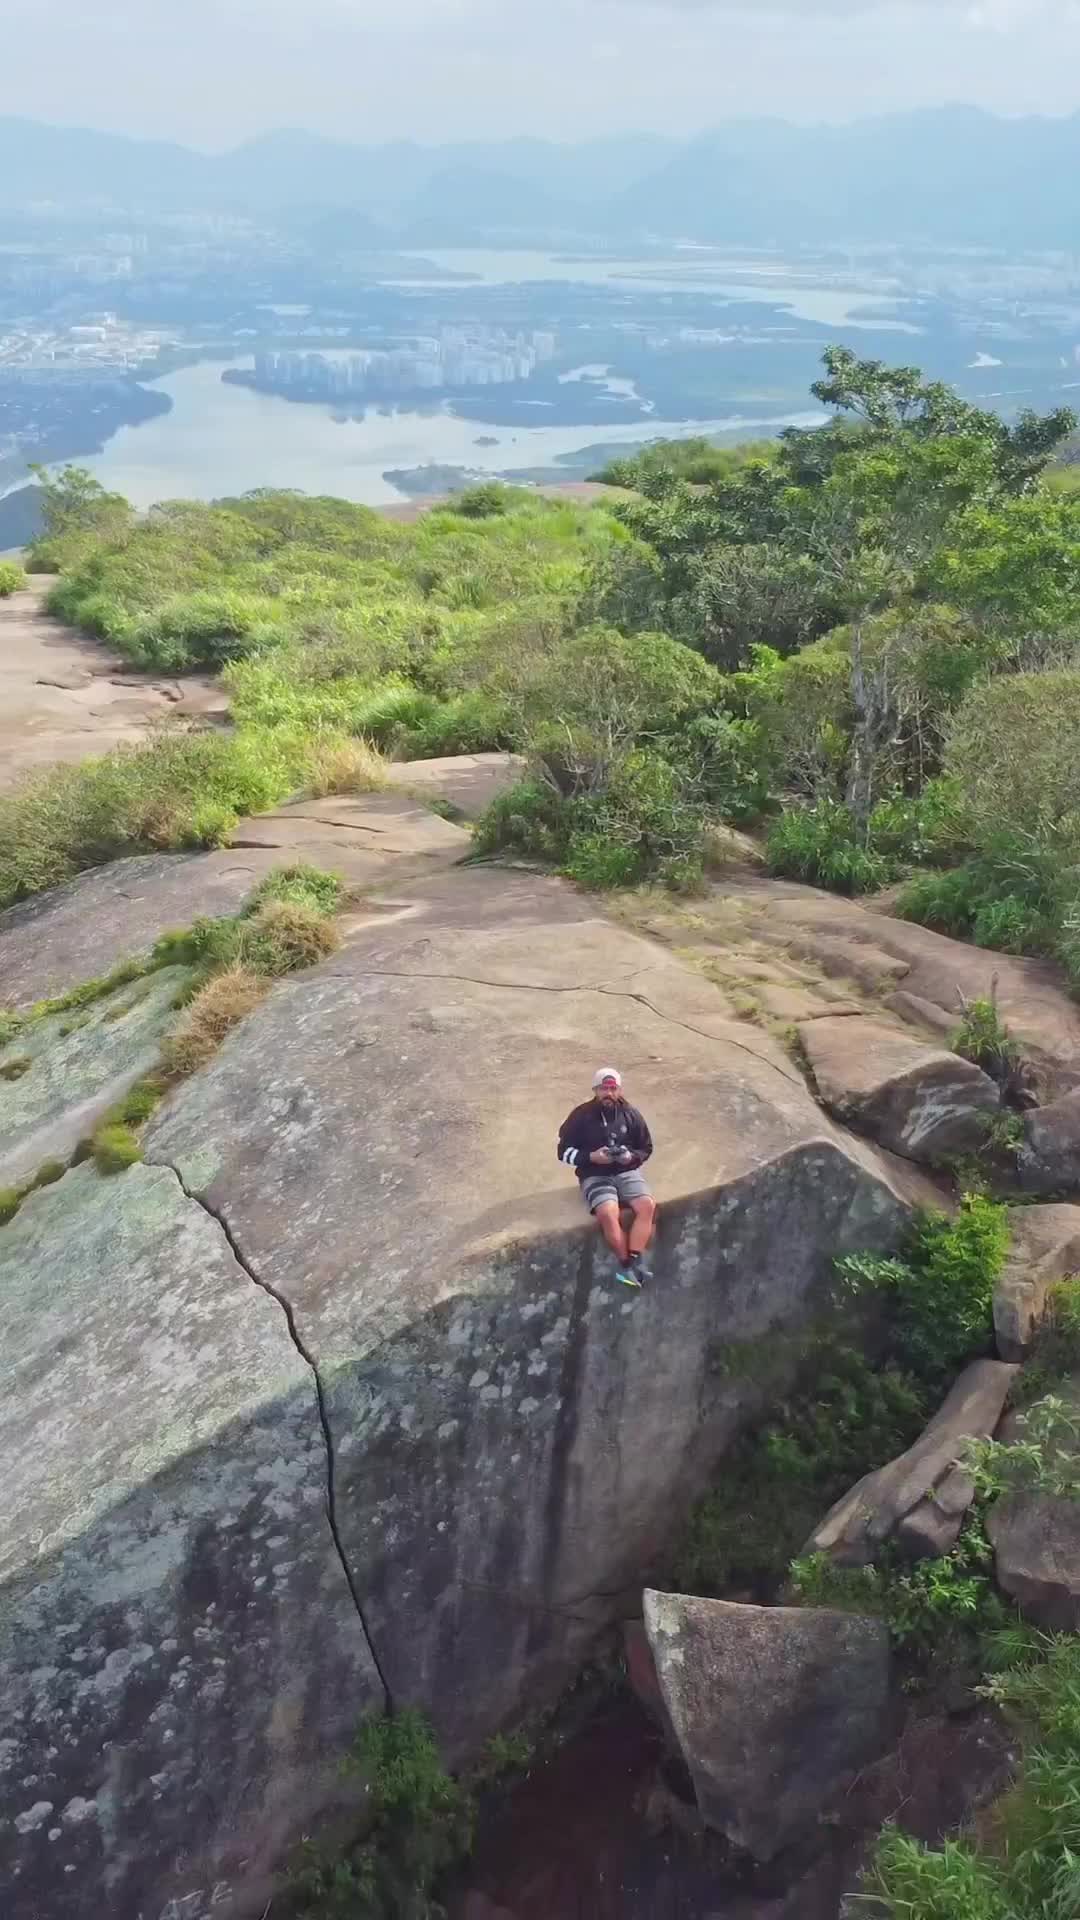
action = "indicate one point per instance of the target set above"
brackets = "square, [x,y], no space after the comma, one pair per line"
[607,1184]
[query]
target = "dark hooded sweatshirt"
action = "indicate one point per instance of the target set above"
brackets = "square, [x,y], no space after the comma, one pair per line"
[592,1126]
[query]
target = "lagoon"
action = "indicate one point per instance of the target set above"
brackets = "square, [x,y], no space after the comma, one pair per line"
[221,439]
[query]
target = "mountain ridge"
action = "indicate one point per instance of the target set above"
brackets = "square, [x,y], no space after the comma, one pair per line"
[955,174]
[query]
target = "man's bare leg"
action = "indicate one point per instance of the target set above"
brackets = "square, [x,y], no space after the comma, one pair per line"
[608,1220]
[644,1222]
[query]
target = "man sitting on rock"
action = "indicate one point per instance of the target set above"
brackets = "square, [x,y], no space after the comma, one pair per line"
[607,1143]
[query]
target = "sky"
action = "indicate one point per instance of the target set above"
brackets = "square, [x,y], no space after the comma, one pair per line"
[214,72]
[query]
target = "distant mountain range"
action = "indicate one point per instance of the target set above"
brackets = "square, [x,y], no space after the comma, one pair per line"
[955,175]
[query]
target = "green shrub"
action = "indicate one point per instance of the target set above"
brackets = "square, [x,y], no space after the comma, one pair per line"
[1014,752]
[908,1881]
[421,1825]
[842,1417]
[302,885]
[202,629]
[639,825]
[1031,1867]
[178,791]
[940,1611]
[285,936]
[47,1175]
[470,723]
[12,578]
[947,902]
[983,1038]
[11,1198]
[138,1104]
[1008,925]
[286,925]
[818,844]
[530,820]
[941,1291]
[481,502]
[1043,1458]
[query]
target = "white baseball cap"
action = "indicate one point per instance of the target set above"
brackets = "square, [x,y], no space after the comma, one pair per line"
[604,1074]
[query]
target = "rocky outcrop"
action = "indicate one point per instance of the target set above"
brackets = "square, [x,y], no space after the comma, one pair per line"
[365,838]
[920,1499]
[1036,1542]
[1036,1535]
[181,1658]
[775,1709]
[61,1074]
[1049,1160]
[1044,1247]
[362,1191]
[83,930]
[914,1099]
[857,942]
[467,782]
[512,1436]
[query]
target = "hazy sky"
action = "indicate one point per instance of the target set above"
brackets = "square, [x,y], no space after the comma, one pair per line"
[211,72]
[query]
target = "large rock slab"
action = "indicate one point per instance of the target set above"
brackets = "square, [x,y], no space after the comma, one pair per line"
[775,1709]
[513,1435]
[1049,1160]
[84,929]
[468,782]
[857,941]
[70,1068]
[364,838]
[181,1660]
[1044,1247]
[915,1099]
[920,1499]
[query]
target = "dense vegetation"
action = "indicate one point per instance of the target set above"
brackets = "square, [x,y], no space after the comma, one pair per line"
[847,1398]
[862,637]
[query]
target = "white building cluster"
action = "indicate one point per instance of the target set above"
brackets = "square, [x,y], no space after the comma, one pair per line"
[457,357]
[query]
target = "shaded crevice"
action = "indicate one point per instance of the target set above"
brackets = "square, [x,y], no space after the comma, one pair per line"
[586,986]
[324,1419]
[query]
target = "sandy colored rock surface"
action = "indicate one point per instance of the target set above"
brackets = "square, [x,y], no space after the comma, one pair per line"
[65,696]
[364,838]
[468,782]
[874,957]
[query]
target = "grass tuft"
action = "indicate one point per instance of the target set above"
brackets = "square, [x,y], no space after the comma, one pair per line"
[217,1008]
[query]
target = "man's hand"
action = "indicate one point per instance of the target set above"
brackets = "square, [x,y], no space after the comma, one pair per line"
[601,1157]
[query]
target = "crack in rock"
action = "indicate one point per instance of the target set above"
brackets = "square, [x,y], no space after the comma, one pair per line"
[585,986]
[324,1419]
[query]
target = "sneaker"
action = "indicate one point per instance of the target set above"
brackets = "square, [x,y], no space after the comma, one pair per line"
[627,1277]
[640,1266]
